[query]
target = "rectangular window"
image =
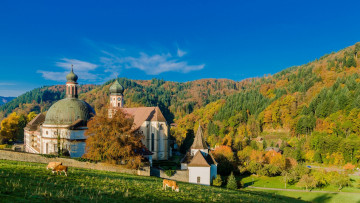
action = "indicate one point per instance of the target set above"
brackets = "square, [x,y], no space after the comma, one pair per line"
[198,179]
[152,141]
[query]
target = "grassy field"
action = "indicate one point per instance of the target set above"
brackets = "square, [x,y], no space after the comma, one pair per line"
[347,194]
[31,182]
[275,182]
[317,197]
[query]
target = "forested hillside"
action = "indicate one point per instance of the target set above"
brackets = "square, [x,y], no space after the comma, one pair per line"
[315,108]
[318,101]
[175,99]
[37,100]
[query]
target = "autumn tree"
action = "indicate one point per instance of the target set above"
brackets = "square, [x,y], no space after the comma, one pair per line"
[225,157]
[113,140]
[10,127]
[307,181]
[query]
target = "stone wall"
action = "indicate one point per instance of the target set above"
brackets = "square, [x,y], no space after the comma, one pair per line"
[28,157]
[180,175]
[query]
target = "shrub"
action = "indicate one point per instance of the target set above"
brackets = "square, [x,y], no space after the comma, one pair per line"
[231,183]
[349,166]
[217,181]
[169,172]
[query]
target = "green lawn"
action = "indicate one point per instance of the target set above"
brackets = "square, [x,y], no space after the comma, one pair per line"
[275,182]
[317,197]
[31,182]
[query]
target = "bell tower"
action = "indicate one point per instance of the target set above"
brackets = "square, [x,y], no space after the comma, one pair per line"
[116,97]
[71,84]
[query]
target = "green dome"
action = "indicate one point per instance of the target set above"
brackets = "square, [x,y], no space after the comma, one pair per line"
[116,88]
[71,77]
[67,111]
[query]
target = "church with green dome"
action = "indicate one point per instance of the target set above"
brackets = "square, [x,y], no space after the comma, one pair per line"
[64,124]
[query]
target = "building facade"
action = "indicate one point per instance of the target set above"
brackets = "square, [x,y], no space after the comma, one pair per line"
[200,163]
[148,120]
[63,126]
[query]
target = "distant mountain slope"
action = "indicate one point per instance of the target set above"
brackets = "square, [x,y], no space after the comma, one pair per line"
[4,100]
[321,96]
[175,99]
[38,100]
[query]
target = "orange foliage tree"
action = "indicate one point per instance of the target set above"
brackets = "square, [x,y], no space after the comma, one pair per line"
[113,140]
[225,157]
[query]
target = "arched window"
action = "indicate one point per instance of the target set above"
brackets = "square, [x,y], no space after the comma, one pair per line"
[68,89]
[73,90]
[152,141]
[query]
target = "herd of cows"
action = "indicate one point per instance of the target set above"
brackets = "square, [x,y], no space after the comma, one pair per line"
[58,167]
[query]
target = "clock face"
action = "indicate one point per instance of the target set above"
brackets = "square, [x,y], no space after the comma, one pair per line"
[119,99]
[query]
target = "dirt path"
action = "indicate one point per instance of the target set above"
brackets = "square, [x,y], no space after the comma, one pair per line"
[295,190]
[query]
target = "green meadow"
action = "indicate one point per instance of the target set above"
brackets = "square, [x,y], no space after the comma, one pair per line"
[31,182]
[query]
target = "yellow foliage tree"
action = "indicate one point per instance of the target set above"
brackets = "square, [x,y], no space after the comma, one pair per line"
[10,127]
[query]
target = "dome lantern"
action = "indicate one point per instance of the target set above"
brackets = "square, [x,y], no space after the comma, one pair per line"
[116,88]
[72,77]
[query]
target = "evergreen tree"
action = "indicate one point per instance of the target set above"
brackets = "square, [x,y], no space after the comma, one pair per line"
[231,182]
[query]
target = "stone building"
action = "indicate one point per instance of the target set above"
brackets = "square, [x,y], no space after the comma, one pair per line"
[200,163]
[148,120]
[64,124]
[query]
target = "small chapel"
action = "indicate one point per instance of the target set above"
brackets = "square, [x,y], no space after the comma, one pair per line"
[66,122]
[199,162]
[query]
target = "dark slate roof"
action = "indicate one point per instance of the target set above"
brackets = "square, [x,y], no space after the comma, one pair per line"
[199,142]
[78,123]
[187,158]
[202,160]
[35,122]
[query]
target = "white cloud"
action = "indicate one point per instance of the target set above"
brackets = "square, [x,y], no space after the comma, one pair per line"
[181,53]
[159,63]
[78,65]
[81,68]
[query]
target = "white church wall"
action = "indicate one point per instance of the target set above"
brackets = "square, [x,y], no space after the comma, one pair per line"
[202,172]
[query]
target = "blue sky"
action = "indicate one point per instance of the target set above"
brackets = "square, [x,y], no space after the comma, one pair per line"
[172,40]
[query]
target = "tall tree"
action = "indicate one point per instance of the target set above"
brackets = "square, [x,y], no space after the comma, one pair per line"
[114,140]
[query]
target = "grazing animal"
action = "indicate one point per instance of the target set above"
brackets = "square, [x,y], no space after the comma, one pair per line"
[60,168]
[170,183]
[52,165]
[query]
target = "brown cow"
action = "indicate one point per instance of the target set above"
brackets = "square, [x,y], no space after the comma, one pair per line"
[170,183]
[52,165]
[60,168]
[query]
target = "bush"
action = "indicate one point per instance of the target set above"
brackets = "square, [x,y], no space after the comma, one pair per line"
[169,172]
[217,181]
[231,183]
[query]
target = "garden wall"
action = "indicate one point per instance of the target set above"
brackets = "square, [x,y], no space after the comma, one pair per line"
[180,175]
[28,157]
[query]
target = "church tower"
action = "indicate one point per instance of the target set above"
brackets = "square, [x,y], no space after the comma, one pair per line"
[71,84]
[199,143]
[116,97]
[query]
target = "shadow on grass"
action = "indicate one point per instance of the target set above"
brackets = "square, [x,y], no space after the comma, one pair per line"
[323,198]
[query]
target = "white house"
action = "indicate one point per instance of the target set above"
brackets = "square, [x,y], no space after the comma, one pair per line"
[200,163]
